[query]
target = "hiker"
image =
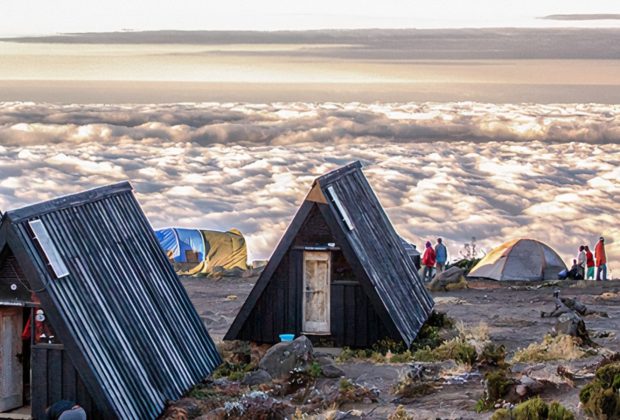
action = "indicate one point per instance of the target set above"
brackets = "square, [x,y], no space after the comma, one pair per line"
[65,410]
[575,273]
[441,256]
[581,261]
[428,261]
[601,259]
[589,264]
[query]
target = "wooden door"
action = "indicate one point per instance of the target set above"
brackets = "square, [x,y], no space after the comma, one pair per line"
[11,379]
[317,268]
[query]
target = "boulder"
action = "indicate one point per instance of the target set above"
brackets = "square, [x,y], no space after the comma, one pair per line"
[283,357]
[449,280]
[257,377]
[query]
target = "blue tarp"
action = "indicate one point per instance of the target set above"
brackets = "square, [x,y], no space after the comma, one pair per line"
[176,241]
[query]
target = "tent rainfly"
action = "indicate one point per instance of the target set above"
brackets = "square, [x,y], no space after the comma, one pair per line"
[339,274]
[520,259]
[198,251]
[87,292]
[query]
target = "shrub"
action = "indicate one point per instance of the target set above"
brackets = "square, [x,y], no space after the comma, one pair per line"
[534,409]
[497,384]
[600,398]
[400,414]
[408,387]
[561,347]
[493,355]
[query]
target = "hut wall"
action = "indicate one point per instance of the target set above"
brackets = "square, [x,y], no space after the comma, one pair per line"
[54,378]
[354,322]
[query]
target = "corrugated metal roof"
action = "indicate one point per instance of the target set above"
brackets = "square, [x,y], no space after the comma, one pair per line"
[379,247]
[122,310]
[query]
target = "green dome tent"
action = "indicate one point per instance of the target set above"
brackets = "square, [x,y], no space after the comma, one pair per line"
[198,251]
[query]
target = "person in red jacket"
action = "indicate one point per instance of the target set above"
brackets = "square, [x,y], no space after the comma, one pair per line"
[601,259]
[589,264]
[428,261]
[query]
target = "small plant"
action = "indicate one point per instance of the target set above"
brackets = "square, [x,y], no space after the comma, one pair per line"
[408,387]
[315,370]
[496,386]
[400,414]
[534,409]
[493,356]
[232,371]
[345,385]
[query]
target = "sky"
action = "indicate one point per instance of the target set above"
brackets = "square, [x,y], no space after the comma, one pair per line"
[493,119]
[47,17]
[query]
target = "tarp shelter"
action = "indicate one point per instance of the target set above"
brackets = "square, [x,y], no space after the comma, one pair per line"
[112,327]
[520,259]
[340,273]
[199,251]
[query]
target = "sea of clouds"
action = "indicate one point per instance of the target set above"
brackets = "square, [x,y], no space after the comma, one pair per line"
[456,170]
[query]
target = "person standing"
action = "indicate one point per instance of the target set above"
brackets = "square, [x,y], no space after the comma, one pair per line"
[601,259]
[589,264]
[428,261]
[441,256]
[581,262]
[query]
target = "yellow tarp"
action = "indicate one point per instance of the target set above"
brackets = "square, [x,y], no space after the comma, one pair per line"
[223,250]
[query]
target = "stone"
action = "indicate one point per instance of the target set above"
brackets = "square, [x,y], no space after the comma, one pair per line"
[283,357]
[332,371]
[452,276]
[256,377]
[571,324]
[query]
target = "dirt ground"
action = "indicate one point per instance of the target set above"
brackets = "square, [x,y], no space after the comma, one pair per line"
[511,311]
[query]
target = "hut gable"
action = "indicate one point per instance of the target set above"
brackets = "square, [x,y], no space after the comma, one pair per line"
[374,288]
[126,324]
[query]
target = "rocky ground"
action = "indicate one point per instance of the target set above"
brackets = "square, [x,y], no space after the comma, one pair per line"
[510,315]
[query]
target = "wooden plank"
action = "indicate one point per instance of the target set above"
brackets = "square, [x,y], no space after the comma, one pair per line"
[349,311]
[11,383]
[54,375]
[361,320]
[69,379]
[38,387]
[337,315]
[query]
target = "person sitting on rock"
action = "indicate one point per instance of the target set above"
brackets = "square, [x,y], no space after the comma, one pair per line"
[428,261]
[575,273]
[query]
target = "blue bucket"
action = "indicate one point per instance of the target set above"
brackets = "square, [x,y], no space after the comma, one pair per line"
[287,337]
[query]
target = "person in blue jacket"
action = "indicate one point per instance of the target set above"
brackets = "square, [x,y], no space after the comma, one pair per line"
[441,255]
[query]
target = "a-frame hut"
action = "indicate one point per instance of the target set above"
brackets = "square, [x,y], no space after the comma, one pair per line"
[339,275]
[91,307]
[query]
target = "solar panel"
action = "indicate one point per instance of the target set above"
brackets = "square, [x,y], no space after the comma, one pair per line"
[49,249]
[343,213]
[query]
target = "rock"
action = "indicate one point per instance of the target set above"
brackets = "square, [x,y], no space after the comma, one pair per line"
[571,324]
[332,371]
[283,357]
[352,414]
[329,369]
[257,377]
[451,279]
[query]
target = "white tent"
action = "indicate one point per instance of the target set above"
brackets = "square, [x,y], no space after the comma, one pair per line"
[520,259]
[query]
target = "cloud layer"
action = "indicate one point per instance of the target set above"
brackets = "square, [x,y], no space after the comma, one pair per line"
[455,170]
